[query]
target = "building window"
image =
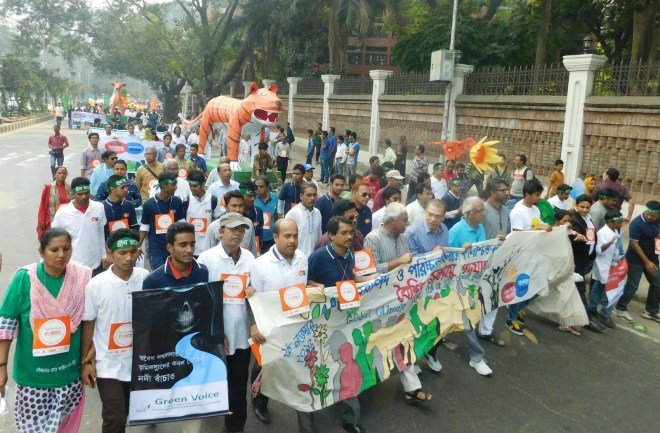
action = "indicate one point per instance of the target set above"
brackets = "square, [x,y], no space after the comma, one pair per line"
[354,58]
[375,59]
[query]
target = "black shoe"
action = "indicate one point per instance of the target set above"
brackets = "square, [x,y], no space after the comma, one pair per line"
[607,321]
[354,428]
[491,339]
[262,415]
[595,327]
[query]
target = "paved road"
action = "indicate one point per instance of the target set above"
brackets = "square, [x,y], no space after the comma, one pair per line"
[546,381]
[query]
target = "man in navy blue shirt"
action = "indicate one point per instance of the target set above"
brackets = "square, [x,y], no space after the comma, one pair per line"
[642,257]
[158,213]
[361,197]
[133,193]
[252,212]
[290,192]
[119,212]
[325,202]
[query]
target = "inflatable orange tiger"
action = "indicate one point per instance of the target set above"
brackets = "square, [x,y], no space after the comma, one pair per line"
[262,107]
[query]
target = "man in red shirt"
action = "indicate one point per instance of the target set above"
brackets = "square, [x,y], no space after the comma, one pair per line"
[374,179]
[56,143]
[610,178]
[449,173]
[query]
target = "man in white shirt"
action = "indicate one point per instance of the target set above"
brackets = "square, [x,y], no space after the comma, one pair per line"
[281,266]
[417,209]
[525,216]
[201,209]
[520,175]
[84,220]
[559,199]
[107,319]
[308,218]
[438,183]
[231,263]
[234,203]
[224,185]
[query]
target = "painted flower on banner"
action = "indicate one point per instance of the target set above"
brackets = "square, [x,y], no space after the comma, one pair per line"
[320,334]
[311,358]
[482,155]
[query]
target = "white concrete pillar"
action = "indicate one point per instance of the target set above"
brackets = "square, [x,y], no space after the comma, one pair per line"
[378,76]
[267,82]
[457,85]
[582,70]
[293,91]
[328,89]
[246,84]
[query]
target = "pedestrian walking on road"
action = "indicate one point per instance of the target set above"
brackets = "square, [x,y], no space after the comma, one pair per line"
[56,143]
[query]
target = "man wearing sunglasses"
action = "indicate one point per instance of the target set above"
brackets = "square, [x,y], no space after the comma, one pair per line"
[361,197]
[103,171]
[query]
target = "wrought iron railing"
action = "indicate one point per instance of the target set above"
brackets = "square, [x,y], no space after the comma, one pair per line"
[283,88]
[518,80]
[414,84]
[312,86]
[362,85]
[628,80]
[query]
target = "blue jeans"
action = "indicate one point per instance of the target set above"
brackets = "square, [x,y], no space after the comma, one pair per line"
[635,272]
[56,160]
[352,169]
[598,296]
[339,168]
[515,308]
[474,348]
[309,158]
[325,170]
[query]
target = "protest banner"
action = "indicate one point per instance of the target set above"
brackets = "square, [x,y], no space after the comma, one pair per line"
[178,370]
[328,354]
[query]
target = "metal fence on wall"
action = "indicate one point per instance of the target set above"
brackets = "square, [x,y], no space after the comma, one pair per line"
[518,80]
[312,86]
[283,88]
[361,85]
[628,80]
[414,84]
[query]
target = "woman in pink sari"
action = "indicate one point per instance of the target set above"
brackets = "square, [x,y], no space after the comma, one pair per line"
[42,310]
[54,194]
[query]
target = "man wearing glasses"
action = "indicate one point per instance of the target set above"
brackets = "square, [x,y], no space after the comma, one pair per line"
[361,196]
[103,171]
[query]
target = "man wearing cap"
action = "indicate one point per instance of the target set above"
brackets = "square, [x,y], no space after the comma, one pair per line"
[253,213]
[308,218]
[325,202]
[454,203]
[235,202]
[610,181]
[606,200]
[91,157]
[438,182]
[642,257]
[119,212]
[103,171]
[559,200]
[290,192]
[147,174]
[224,261]
[394,179]
[281,266]
[84,220]
[158,213]
[201,209]
[132,193]
[221,187]
[308,175]
[417,209]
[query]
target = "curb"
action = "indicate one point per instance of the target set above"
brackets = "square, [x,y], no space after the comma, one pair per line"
[8,127]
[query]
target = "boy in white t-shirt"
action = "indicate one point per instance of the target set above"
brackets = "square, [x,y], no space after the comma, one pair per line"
[525,216]
[107,333]
[609,249]
[341,156]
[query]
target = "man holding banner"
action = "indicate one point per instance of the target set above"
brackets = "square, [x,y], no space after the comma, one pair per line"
[230,263]
[107,325]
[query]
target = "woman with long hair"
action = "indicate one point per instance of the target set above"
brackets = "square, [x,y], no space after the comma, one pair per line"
[53,195]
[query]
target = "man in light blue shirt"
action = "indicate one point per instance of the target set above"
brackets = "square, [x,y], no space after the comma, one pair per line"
[103,171]
[463,234]
[431,234]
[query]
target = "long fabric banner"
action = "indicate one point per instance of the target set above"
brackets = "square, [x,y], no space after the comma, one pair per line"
[179,370]
[315,359]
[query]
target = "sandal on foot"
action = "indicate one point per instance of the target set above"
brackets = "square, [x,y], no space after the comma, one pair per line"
[491,339]
[417,396]
[570,330]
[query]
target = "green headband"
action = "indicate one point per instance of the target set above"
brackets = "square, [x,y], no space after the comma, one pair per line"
[194,183]
[454,182]
[563,191]
[652,211]
[601,195]
[246,191]
[80,188]
[123,243]
[168,182]
[117,183]
[614,219]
